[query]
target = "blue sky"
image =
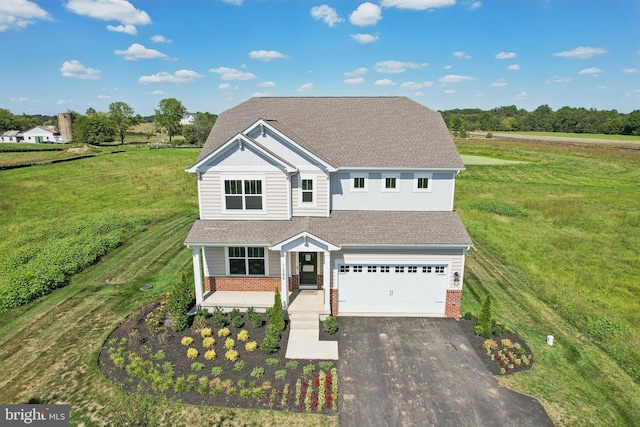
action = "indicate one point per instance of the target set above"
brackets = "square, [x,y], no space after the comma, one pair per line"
[64,55]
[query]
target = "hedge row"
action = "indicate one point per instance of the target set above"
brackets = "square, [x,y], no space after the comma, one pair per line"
[38,267]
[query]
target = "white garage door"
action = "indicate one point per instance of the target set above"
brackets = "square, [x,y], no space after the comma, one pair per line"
[375,288]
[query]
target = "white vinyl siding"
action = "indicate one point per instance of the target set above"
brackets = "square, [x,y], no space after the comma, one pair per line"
[319,207]
[275,196]
[214,261]
[403,198]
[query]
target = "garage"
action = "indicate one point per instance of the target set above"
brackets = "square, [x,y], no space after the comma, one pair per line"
[393,289]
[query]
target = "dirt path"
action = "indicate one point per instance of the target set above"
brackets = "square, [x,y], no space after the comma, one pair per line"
[582,142]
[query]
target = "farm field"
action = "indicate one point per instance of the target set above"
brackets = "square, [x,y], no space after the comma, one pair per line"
[578,135]
[555,244]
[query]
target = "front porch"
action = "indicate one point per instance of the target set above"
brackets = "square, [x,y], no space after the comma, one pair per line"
[228,300]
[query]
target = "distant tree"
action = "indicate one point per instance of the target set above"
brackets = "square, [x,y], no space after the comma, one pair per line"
[199,131]
[94,129]
[122,118]
[7,120]
[168,116]
[90,111]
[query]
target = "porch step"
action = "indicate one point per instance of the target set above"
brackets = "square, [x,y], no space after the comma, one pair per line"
[304,320]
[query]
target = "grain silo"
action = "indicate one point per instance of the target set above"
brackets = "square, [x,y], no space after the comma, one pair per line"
[64,126]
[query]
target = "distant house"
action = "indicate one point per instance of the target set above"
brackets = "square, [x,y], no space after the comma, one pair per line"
[43,134]
[188,119]
[10,136]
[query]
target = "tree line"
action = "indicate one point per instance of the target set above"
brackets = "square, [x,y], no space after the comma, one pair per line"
[543,119]
[95,127]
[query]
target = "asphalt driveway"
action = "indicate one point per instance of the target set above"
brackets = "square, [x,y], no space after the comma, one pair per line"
[422,372]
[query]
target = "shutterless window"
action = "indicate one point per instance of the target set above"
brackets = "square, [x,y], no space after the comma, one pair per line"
[233,193]
[384,269]
[423,183]
[390,183]
[236,198]
[358,182]
[246,261]
[253,194]
[307,190]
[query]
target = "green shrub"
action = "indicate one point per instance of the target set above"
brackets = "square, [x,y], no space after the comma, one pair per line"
[276,316]
[237,321]
[158,355]
[292,364]
[498,329]
[239,366]
[485,317]
[257,372]
[179,302]
[272,362]
[155,319]
[257,393]
[256,319]
[197,366]
[468,315]
[200,320]
[269,344]
[273,330]
[219,318]
[280,374]
[478,330]
[245,392]
[330,325]
[216,371]
[325,365]
[308,369]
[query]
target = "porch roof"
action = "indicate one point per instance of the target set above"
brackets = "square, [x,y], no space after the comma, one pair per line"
[365,228]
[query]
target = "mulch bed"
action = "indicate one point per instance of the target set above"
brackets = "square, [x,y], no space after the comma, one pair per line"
[476,341]
[144,343]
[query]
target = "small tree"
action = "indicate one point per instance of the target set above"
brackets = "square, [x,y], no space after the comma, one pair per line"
[485,317]
[276,316]
[179,303]
[168,116]
[122,117]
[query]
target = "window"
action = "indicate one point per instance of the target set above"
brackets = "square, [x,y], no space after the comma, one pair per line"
[246,261]
[439,269]
[344,269]
[384,269]
[426,269]
[357,269]
[243,194]
[359,181]
[371,269]
[422,182]
[307,191]
[399,269]
[390,182]
[412,269]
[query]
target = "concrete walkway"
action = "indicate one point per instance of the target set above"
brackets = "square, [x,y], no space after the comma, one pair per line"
[304,330]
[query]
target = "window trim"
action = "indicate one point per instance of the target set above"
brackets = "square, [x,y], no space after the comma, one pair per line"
[314,190]
[364,175]
[227,260]
[243,179]
[383,183]
[417,176]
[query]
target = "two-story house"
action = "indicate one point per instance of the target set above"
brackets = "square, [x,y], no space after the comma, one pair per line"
[352,196]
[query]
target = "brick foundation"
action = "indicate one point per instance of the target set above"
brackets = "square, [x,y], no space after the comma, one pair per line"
[334,302]
[452,307]
[225,283]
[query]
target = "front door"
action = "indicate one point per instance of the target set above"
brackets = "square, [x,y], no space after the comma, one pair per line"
[308,270]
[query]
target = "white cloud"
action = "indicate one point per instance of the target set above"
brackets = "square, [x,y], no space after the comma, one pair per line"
[447,67]
[513,67]
[74,69]
[60,102]
[305,87]
[20,99]
[356,73]
[595,71]
[267,55]
[127,29]
[18,14]
[417,4]
[416,85]
[224,86]
[365,38]
[461,55]
[327,14]
[449,91]
[505,55]
[385,82]
[234,2]
[630,93]
[454,78]
[475,5]
[581,52]
[260,94]
[559,79]
[522,95]
[157,93]
[180,76]
[111,10]
[104,97]
[366,14]
[499,83]
[232,74]
[267,84]
[137,51]
[601,87]
[159,38]
[354,81]
[395,67]
[631,70]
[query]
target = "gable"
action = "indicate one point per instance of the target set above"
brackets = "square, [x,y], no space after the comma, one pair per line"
[246,157]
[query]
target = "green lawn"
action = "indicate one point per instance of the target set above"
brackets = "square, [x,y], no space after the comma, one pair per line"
[556,243]
[556,246]
[577,135]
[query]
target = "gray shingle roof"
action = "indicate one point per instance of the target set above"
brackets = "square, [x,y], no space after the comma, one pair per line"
[342,228]
[369,132]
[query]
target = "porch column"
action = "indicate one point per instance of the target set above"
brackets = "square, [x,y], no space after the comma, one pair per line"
[326,284]
[284,279]
[197,273]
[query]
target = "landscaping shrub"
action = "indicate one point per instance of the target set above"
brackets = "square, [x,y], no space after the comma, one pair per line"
[216,371]
[330,325]
[219,318]
[485,318]
[231,355]
[186,341]
[192,353]
[243,335]
[155,319]
[210,355]
[251,346]
[269,344]
[179,302]
[200,320]
[237,321]
[276,315]
[208,342]
[224,332]
[206,332]
[468,315]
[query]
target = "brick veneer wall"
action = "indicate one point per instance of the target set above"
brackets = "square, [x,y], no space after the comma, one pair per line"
[320,282]
[225,283]
[295,282]
[334,302]
[452,307]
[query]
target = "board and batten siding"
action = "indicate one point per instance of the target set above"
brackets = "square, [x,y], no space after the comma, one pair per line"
[453,257]
[376,198]
[319,206]
[215,264]
[275,201]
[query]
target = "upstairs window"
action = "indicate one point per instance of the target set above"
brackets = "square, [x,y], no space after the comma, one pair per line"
[390,182]
[359,181]
[246,261]
[307,191]
[422,182]
[243,194]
